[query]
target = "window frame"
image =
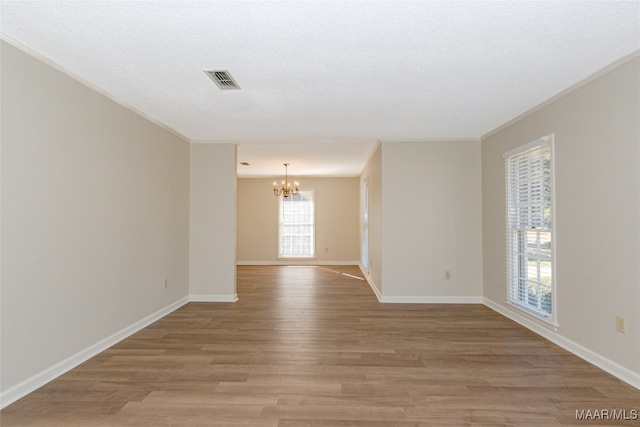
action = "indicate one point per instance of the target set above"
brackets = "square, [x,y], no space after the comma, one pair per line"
[281,202]
[519,250]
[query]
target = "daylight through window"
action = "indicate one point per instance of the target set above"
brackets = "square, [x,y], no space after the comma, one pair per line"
[364,206]
[297,229]
[529,228]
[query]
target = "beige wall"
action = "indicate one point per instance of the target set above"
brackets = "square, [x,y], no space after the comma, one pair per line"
[212,222]
[337,204]
[597,210]
[95,215]
[431,222]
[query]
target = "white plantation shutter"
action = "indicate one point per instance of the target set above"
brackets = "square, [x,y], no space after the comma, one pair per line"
[296,225]
[529,228]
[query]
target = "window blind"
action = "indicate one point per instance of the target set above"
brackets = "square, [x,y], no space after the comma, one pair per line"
[529,229]
[296,225]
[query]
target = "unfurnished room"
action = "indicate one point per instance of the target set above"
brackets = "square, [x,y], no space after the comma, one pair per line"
[319,213]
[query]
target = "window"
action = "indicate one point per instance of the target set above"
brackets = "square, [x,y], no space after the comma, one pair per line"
[297,230]
[529,228]
[364,205]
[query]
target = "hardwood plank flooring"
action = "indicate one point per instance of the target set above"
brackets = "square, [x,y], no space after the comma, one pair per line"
[310,346]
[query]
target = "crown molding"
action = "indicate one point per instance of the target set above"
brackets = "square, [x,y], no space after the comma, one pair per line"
[43,58]
[606,70]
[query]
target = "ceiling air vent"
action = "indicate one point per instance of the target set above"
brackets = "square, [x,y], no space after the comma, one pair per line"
[222,79]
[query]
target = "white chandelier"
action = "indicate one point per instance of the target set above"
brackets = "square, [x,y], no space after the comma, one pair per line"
[285,188]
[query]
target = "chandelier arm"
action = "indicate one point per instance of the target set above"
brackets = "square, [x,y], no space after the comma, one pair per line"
[285,189]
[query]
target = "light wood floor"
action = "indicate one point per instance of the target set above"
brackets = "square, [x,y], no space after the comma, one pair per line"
[308,346]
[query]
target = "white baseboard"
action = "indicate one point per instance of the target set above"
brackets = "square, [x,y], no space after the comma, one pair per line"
[417,299]
[213,298]
[372,285]
[431,300]
[297,262]
[607,365]
[25,387]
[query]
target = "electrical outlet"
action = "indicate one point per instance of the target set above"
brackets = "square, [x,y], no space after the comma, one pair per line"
[447,274]
[620,325]
[166,283]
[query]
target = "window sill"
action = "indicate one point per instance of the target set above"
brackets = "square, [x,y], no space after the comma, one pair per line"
[547,321]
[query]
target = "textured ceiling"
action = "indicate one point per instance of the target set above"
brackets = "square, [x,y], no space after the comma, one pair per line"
[323,81]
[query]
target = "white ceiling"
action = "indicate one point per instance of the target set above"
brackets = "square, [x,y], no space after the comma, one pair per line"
[322,81]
